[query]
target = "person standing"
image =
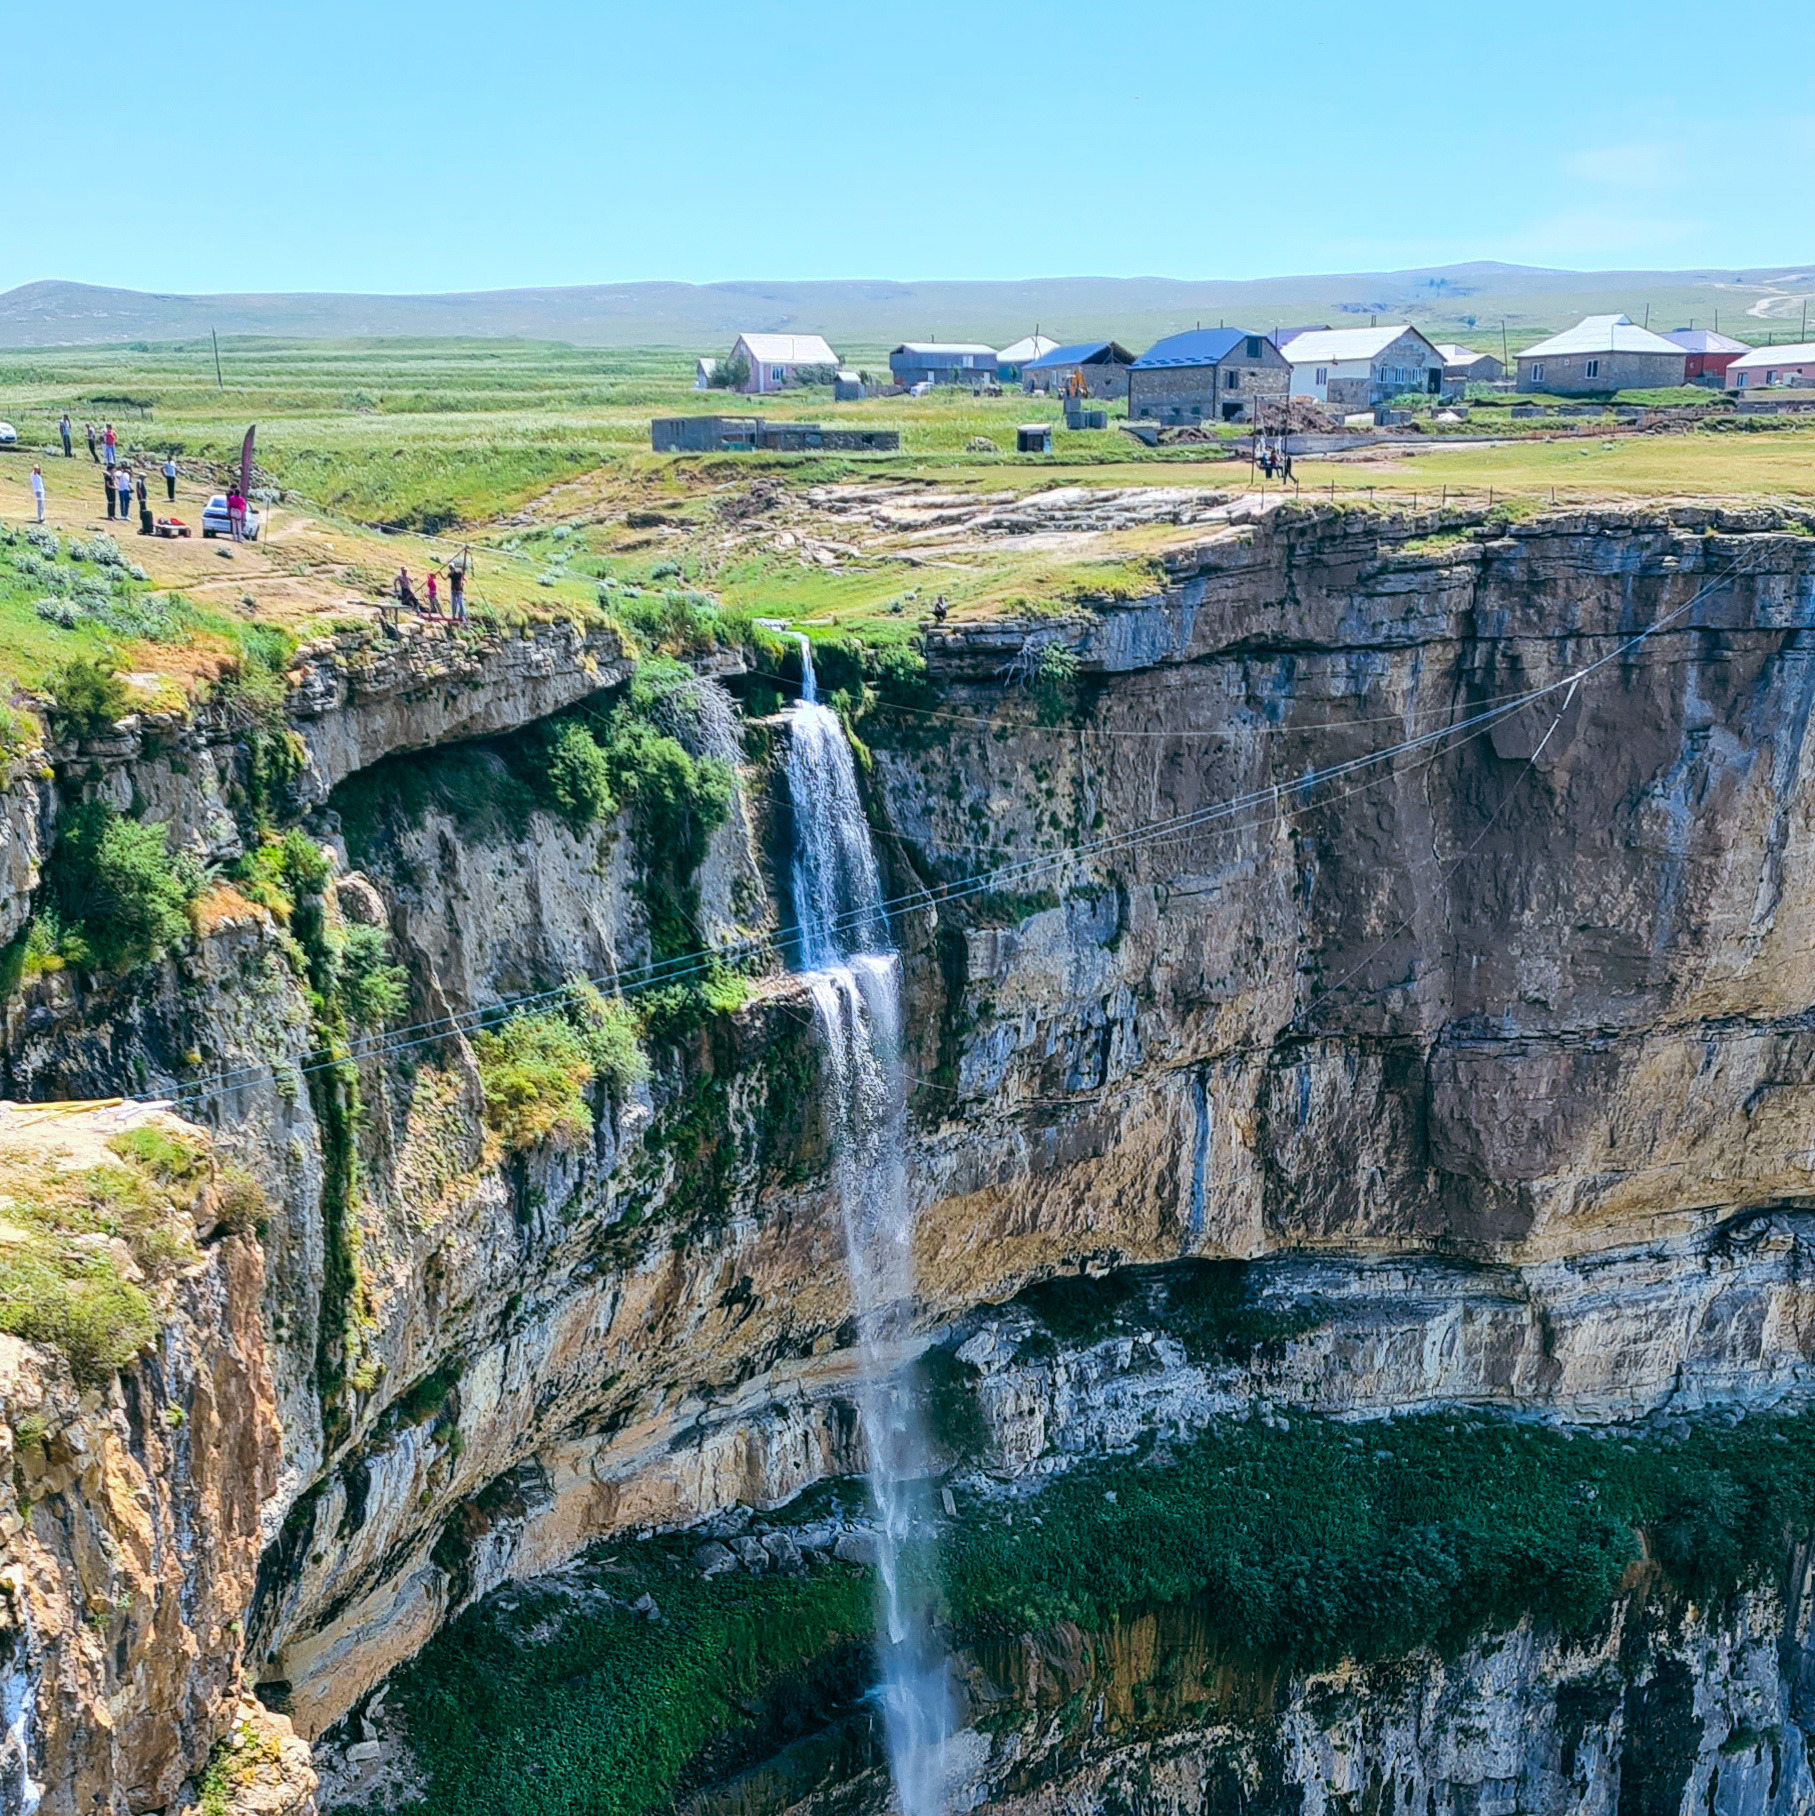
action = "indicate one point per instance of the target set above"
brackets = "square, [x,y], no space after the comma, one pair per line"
[107,444]
[236,515]
[145,526]
[169,472]
[122,479]
[38,489]
[63,430]
[428,582]
[456,589]
[88,429]
[107,490]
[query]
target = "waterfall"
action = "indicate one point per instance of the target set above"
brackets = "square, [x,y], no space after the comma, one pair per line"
[855,977]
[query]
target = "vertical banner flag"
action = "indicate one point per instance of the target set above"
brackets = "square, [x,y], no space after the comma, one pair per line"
[245,463]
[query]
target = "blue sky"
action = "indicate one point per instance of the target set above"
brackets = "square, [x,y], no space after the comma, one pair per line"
[402,146]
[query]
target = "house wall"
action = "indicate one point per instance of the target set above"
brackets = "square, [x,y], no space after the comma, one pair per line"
[1200,393]
[1568,376]
[1107,381]
[1791,373]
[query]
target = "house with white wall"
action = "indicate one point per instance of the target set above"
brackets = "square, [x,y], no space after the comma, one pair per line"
[1356,368]
[776,360]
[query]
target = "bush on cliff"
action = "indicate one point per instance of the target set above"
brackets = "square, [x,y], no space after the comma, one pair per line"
[120,896]
[535,1068]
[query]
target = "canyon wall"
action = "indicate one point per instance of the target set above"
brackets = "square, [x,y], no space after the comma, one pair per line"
[1493,1055]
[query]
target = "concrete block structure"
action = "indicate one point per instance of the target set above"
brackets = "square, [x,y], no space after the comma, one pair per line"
[1097,368]
[1464,366]
[1359,368]
[1601,354]
[745,434]
[1207,375]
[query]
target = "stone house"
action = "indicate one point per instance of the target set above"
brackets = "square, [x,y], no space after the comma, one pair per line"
[1464,366]
[1207,375]
[1101,368]
[1601,354]
[777,360]
[1357,368]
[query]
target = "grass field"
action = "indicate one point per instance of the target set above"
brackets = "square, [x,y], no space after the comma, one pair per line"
[537,455]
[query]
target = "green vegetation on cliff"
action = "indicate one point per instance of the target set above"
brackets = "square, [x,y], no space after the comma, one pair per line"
[1301,1545]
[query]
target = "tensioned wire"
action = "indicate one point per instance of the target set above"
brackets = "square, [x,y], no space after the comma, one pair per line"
[687,965]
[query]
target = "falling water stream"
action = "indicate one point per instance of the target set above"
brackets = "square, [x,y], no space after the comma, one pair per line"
[855,976]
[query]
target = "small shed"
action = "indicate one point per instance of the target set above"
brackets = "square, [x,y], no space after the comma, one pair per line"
[847,387]
[704,372]
[1706,354]
[1033,438]
[1084,368]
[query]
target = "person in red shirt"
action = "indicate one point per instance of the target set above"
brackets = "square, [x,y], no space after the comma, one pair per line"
[428,582]
[236,515]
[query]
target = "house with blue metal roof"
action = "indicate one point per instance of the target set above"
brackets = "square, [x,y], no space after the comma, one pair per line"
[1208,375]
[1083,369]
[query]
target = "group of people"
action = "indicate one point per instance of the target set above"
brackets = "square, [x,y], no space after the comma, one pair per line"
[1274,457]
[430,606]
[120,486]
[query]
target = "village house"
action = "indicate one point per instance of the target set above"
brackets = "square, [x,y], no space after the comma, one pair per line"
[1601,354]
[1207,375]
[943,363]
[1010,359]
[1764,367]
[776,361]
[1464,366]
[1357,368]
[1707,355]
[1100,369]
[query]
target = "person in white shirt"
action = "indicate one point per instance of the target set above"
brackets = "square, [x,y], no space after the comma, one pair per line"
[38,489]
[168,469]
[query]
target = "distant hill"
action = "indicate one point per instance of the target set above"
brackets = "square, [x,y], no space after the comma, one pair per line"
[1455,301]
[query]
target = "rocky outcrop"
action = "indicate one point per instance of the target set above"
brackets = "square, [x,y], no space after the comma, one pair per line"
[127,1560]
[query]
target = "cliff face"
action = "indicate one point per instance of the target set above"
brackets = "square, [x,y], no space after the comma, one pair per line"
[1494,1056]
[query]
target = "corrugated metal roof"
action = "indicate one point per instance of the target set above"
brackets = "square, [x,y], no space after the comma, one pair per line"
[1705,340]
[936,348]
[1455,354]
[1029,346]
[1196,347]
[1331,346]
[1079,353]
[1601,334]
[789,350]
[1801,353]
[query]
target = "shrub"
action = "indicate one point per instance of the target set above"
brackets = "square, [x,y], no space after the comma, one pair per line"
[534,1070]
[372,991]
[165,1156]
[113,882]
[239,1203]
[87,696]
[566,769]
[608,1034]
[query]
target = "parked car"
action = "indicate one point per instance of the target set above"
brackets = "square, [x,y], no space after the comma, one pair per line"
[214,519]
[8,435]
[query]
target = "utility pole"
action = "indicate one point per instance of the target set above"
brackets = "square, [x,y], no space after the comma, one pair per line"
[221,382]
[1505,357]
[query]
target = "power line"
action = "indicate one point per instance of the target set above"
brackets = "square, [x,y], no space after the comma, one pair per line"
[673,970]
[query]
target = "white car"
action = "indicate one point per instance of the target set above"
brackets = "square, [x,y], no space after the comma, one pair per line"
[214,519]
[8,434]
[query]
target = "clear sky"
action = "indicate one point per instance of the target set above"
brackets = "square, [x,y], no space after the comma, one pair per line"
[400,145]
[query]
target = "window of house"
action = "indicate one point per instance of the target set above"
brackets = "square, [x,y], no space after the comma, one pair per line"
[1231,381]
[1592,369]
[1537,372]
[1740,385]
[1254,346]
[1323,375]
